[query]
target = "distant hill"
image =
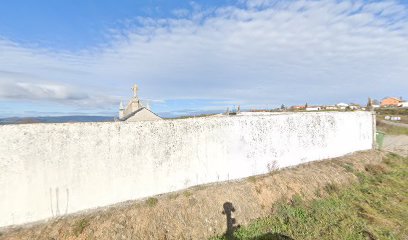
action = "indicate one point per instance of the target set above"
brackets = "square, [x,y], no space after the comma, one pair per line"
[60,119]
[65,119]
[188,114]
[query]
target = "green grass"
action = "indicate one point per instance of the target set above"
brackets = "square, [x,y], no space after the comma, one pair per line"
[252,179]
[392,111]
[187,193]
[348,166]
[79,226]
[374,208]
[391,130]
[151,201]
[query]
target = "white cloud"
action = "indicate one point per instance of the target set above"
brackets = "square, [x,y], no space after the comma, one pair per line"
[17,90]
[264,52]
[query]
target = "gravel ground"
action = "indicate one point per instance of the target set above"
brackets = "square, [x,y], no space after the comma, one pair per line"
[397,124]
[397,144]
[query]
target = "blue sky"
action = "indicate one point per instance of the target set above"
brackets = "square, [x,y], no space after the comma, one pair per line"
[77,24]
[83,56]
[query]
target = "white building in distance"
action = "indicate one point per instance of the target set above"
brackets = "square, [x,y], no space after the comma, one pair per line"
[313,108]
[342,106]
[135,111]
[404,104]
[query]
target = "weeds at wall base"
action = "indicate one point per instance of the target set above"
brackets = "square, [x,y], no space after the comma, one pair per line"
[174,196]
[151,202]
[252,179]
[187,194]
[349,167]
[79,226]
[375,169]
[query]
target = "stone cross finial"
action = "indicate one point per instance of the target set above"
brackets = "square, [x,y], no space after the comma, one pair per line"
[135,88]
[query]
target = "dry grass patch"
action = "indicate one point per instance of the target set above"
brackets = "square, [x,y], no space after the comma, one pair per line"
[391,130]
[80,226]
[151,202]
[376,169]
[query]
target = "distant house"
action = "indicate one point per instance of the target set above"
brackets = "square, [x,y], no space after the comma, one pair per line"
[342,106]
[313,108]
[330,107]
[354,106]
[403,104]
[300,107]
[391,102]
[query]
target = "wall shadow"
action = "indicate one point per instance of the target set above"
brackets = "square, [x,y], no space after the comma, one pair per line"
[232,226]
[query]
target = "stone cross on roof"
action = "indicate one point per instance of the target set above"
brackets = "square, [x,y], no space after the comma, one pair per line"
[135,88]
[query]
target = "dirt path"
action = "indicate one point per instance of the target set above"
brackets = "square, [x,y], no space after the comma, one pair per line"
[397,144]
[397,124]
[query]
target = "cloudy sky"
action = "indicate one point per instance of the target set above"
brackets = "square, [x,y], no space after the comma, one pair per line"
[83,56]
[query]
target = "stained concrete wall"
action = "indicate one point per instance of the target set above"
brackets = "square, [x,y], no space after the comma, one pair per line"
[54,169]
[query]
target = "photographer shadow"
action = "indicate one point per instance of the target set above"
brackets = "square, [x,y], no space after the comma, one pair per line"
[228,211]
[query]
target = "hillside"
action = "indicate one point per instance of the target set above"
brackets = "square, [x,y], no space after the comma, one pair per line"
[59,119]
[197,213]
[376,207]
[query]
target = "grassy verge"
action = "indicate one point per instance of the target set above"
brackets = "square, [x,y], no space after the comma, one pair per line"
[374,208]
[392,130]
[392,111]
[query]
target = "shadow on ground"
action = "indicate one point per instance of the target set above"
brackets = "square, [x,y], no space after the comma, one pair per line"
[232,227]
[272,236]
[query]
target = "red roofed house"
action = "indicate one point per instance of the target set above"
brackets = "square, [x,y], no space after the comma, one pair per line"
[298,107]
[391,102]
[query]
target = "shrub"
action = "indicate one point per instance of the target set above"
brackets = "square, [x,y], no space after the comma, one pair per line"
[348,167]
[331,188]
[375,169]
[187,194]
[252,179]
[174,196]
[79,226]
[272,166]
[151,202]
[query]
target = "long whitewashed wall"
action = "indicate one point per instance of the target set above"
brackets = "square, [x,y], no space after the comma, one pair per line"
[49,170]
